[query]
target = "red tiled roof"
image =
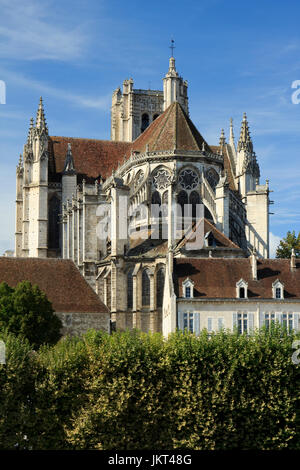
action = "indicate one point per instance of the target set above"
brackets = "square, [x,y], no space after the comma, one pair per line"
[217,277]
[221,239]
[62,282]
[172,129]
[91,157]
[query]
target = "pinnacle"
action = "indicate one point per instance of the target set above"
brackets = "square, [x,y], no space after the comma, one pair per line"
[40,117]
[69,167]
[245,139]
[231,134]
[222,138]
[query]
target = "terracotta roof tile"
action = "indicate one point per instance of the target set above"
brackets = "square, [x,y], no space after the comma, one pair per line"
[62,282]
[172,129]
[92,157]
[221,239]
[217,278]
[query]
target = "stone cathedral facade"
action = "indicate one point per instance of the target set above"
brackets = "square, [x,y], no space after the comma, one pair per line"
[76,195]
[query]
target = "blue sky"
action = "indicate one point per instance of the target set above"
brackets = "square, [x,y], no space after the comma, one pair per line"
[237,56]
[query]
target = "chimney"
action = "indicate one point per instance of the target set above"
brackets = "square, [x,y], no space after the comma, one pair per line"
[254,264]
[293,260]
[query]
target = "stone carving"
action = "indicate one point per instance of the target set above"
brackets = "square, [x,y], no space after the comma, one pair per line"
[188,179]
[161,179]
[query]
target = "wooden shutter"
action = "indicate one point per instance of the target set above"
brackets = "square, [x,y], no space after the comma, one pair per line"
[250,322]
[234,321]
[261,319]
[197,323]
[220,323]
[180,321]
[296,321]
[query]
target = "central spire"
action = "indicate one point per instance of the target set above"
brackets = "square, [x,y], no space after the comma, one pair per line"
[175,88]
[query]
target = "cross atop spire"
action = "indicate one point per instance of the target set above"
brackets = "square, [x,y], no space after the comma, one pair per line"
[172,47]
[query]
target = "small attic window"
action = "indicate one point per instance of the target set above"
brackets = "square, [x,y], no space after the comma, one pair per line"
[188,288]
[241,289]
[210,240]
[278,290]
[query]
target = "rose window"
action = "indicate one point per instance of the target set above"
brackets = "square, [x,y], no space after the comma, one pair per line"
[188,179]
[162,179]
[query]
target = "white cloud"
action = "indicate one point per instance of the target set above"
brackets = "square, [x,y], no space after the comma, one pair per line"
[99,102]
[274,242]
[28,32]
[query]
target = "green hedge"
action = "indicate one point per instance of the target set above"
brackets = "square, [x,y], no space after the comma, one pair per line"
[137,391]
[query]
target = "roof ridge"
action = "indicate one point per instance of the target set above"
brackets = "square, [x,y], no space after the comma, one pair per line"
[87,138]
[188,120]
[168,113]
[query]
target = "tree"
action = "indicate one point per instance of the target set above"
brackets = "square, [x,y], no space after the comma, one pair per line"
[26,311]
[284,249]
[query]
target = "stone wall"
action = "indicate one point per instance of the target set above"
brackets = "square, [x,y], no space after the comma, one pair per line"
[78,323]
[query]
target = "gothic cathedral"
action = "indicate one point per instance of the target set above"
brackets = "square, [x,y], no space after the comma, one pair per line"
[90,200]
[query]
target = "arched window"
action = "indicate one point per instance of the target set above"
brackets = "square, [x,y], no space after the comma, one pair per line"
[212,177]
[182,200]
[130,289]
[160,282]
[155,199]
[145,122]
[194,201]
[155,116]
[145,288]
[53,221]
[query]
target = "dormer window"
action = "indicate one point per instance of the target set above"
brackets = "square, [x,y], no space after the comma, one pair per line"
[188,288]
[242,289]
[278,290]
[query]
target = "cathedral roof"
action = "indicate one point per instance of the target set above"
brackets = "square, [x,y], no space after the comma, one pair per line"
[91,157]
[142,243]
[228,163]
[220,239]
[60,279]
[217,277]
[171,130]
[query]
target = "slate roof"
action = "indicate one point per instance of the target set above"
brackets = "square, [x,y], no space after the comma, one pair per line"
[60,279]
[217,277]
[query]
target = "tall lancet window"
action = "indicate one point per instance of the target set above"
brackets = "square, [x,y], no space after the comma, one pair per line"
[160,282]
[182,200]
[194,201]
[130,289]
[53,223]
[145,122]
[145,288]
